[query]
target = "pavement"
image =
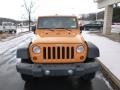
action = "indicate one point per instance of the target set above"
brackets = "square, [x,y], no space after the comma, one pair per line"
[109,52]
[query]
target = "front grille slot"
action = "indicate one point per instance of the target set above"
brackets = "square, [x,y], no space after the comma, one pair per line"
[44,53]
[53,51]
[49,53]
[58,52]
[72,52]
[68,49]
[63,52]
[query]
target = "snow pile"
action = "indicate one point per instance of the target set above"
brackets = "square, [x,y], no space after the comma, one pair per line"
[109,52]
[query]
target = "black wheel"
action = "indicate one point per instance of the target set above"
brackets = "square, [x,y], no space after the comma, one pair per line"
[15,31]
[26,77]
[81,27]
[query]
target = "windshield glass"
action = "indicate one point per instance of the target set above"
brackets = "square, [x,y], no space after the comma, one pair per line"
[96,22]
[57,22]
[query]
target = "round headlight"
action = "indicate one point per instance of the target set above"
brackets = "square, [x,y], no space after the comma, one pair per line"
[80,49]
[36,49]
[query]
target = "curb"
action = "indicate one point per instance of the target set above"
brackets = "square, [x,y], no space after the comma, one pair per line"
[113,80]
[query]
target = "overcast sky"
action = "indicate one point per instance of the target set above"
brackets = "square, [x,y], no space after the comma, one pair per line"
[13,8]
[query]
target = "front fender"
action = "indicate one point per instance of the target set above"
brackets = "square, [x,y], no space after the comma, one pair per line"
[93,50]
[23,52]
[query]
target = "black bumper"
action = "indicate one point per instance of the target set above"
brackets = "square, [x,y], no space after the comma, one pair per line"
[37,70]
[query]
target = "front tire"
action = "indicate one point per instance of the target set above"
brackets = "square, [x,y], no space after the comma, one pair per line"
[26,77]
[10,32]
[15,31]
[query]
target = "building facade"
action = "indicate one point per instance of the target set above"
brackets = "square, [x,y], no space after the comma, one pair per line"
[108,5]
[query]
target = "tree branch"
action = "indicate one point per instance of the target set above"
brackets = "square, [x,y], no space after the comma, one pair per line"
[25,4]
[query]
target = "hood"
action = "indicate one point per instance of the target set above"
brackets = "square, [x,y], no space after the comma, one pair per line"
[76,39]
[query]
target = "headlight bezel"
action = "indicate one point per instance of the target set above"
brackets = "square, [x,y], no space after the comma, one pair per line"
[36,49]
[80,49]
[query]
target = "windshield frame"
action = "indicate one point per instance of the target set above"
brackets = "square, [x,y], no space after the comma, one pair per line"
[76,22]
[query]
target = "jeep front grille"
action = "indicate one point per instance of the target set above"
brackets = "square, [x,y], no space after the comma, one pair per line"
[58,53]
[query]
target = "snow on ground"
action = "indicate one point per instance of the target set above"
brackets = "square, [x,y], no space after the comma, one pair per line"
[14,43]
[109,52]
[116,28]
[4,46]
[19,30]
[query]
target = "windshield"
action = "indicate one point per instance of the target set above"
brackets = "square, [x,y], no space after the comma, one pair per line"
[96,22]
[57,22]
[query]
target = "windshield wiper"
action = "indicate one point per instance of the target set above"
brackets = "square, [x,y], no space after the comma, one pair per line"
[66,29]
[51,29]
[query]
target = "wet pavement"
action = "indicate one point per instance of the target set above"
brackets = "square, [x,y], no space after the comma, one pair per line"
[11,80]
[66,84]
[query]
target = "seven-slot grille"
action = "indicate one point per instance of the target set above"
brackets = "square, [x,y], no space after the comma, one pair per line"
[58,52]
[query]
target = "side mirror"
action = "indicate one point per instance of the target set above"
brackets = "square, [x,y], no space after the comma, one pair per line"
[81,28]
[33,28]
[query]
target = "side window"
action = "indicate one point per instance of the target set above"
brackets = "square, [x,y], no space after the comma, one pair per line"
[98,22]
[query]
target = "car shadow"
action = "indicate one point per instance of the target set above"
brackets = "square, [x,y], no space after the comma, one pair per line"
[58,84]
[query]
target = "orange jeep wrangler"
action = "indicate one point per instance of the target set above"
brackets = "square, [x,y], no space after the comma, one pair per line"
[58,50]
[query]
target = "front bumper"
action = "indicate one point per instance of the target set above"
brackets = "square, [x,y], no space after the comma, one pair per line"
[40,70]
